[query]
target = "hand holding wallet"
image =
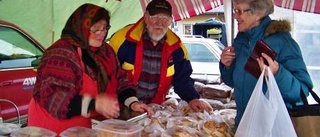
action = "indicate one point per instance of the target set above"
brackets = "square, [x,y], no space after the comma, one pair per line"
[252,66]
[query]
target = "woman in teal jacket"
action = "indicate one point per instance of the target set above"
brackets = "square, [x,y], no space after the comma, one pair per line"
[288,67]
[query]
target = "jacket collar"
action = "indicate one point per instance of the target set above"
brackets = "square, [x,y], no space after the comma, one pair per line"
[268,27]
[257,32]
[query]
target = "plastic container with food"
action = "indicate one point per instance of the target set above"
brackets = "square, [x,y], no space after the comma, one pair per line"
[79,132]
[31,131]
[118,128]
[7,128]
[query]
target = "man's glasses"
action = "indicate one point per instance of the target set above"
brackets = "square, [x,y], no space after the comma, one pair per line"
[159,18]
[95,29]
[240,12]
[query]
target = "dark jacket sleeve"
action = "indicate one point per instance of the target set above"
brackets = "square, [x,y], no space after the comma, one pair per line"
[182,82]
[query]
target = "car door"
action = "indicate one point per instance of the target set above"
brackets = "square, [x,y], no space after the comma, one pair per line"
[19,55]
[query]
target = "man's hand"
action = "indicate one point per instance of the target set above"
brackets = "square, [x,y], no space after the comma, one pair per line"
[141,107]
[200,105]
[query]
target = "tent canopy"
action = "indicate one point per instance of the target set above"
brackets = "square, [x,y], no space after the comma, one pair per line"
[187,8]
[45,19]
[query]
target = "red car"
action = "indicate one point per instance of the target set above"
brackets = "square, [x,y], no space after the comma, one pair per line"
[19,57]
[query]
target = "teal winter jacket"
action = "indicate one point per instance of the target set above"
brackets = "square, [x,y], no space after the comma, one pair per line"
[292,73]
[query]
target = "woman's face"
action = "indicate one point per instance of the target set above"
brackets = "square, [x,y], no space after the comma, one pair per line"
[246,18]
[157,25]
[98,31]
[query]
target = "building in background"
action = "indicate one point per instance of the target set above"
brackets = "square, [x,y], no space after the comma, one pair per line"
[185,26]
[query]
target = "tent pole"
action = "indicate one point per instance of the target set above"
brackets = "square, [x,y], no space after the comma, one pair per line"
[229,21]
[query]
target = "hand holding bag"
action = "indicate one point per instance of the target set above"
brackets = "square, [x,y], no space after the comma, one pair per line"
[306,118]
[266,114]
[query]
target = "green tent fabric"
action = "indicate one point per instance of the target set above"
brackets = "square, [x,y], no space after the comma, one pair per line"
[44,19]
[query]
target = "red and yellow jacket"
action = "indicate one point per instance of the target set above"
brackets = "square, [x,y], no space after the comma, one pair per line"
[175,65]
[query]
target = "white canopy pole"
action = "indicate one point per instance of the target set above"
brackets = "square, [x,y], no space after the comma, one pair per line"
[229,21]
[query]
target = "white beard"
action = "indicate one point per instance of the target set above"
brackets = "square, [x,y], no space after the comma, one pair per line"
[157,37]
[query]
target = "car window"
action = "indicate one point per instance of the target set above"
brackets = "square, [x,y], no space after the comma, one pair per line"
[200,53]
[16,49]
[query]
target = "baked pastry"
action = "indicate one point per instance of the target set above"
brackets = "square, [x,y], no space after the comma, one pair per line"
[215,129]
[182,121]
[171,103]
[187,110]
[209,126]
[179,132]
[218,134]
[222,127]
[157,121]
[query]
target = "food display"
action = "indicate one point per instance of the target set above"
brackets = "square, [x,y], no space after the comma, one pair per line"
[7,128]
[171,119]
[228,115]
[214,128]
[79,132]
[184,122]
[214,90]
[31,131]
[180,131]
[198,86]
[118,128]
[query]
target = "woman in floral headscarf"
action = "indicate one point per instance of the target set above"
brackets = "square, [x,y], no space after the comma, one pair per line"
[79,67]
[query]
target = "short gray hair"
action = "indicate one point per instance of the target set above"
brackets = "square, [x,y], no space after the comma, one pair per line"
[265,6]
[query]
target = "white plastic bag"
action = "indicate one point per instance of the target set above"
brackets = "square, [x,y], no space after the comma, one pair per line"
[266,114]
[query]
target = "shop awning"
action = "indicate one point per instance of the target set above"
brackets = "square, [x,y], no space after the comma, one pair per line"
[312,6]
[187,8]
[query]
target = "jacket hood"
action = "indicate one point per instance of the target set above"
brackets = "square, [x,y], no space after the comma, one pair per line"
[278,26]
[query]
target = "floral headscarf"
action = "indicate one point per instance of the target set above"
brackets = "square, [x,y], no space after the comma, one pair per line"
[77,31]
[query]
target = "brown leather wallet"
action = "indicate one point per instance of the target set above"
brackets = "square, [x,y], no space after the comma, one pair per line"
[252,65]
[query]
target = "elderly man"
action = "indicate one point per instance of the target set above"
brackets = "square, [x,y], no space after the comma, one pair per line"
[155,58]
